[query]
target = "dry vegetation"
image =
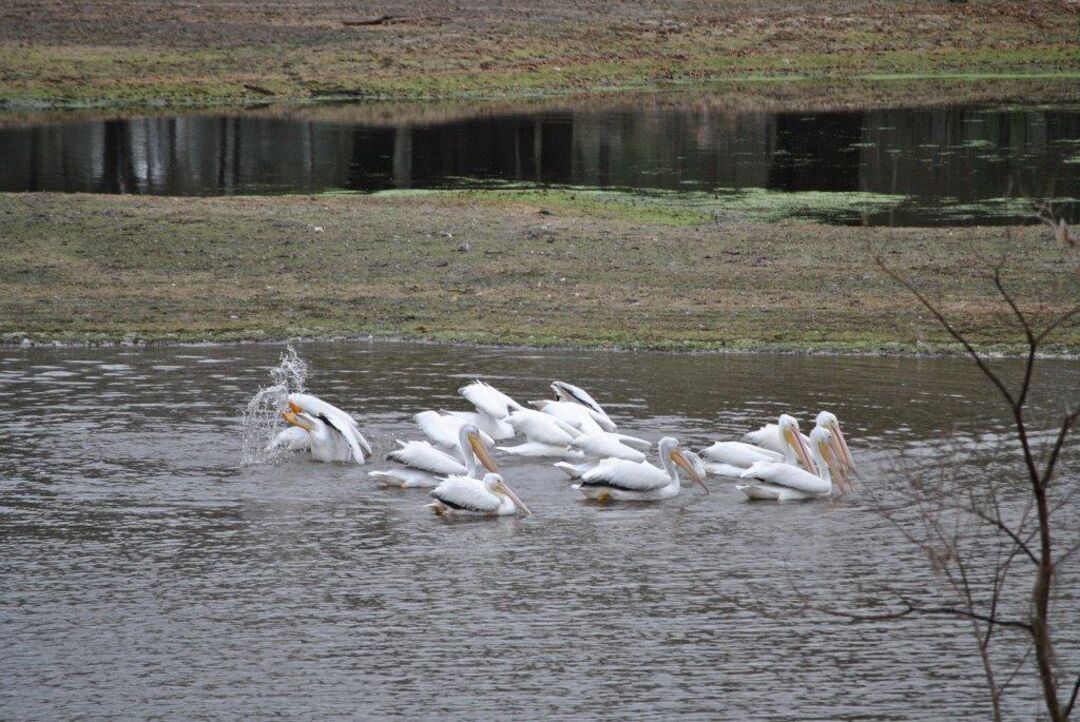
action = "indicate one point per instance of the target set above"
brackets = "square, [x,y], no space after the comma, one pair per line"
[529,268]
[137,52]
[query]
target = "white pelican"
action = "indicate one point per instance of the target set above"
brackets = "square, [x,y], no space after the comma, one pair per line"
[768,437]
[535,448]
[495,428]
[782,482]
[489,399]
[603,445]
[624,480]
[580,417]
[336,419]
[569,392]
[828,420]
[444,430]
[323,442]
[732,458]
[489,496]
[425,465]
[545,435]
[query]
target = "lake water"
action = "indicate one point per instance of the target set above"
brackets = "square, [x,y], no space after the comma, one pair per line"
[958,165]
[145,573]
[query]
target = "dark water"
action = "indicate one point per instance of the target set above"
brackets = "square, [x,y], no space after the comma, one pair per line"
[145,574]
[946,166]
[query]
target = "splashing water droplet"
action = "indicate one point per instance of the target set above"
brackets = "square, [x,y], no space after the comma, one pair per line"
[262,417]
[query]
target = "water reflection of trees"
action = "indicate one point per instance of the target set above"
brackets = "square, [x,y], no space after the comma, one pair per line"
[964,154]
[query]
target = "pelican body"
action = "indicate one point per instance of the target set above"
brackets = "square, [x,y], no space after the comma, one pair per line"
[774,481]
[334,418]
[623,480]
[425,466]
[317,437]
[462,495]
[732,458]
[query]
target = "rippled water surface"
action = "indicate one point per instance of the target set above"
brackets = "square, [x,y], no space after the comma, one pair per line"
[144,573]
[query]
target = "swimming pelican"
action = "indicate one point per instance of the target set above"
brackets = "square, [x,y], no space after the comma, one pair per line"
[783,482]
[624,480]
[545,435]
[768,437]
[323,442]
[489,496]
[425,466]
[601,445]
[580,417]
[732,458]
[443,430]
[604,445]
[488,399]
[569,392]
[336,419]
[828,420]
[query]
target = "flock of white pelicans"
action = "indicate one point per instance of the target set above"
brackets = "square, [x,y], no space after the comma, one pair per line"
[776,462]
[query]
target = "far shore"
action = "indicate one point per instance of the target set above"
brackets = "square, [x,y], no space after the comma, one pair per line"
[127,54]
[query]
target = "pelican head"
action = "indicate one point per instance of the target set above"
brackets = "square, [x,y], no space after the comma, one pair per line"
[495,484]
[822,442]
[791,437]
[299,418]
[470,437]
[828,420]
[670,449]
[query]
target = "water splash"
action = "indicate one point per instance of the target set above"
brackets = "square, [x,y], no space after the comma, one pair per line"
[262,417]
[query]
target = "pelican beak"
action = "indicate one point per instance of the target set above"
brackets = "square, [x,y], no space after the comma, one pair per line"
[295,420]
[796,442]
[835,468]
[481,452]
[514,498]
[845,454]
[295,407]
[678,457]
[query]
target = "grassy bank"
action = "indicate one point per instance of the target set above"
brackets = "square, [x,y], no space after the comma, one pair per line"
[132,53]
[554,268]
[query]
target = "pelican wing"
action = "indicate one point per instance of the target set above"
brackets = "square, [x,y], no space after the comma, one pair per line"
[443,430]
[466,494]
[542,428]
[792,477]
[431,424]
[578,416]
[533,448]
[425,457]
[574,471]
[293,438]
[737,453]
[603,445]
[406,478]
[569,392]
[628,475]
[497,429]
[488,399]
[724,469]
[336,419]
